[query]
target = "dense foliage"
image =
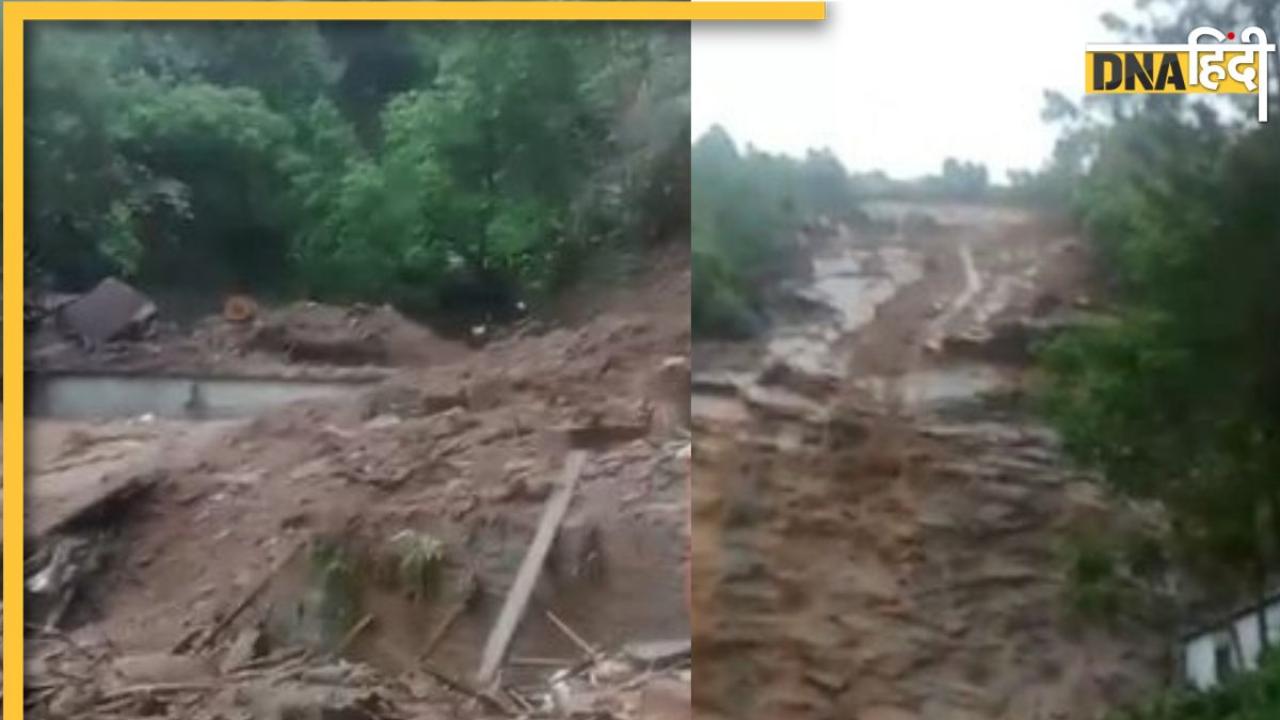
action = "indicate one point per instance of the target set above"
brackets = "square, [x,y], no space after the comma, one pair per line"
[1175,393]
[437,166]
[748,206]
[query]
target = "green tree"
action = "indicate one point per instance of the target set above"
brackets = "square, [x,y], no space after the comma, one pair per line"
[747,210]
[1176,396]
[444,167]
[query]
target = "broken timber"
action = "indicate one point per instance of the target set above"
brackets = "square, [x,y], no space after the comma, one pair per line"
[513,607]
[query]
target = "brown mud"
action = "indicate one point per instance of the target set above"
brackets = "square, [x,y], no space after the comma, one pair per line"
[346,556]
[880,539]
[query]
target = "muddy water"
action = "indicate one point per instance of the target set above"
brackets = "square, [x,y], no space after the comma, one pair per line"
[850,284]
[938,388]
[855,283]
[910,571]
[100,397]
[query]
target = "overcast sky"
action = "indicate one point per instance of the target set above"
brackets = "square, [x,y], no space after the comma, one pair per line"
[899,84]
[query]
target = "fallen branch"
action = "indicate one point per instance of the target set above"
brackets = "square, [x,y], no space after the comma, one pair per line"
[563,627]
[461,686]
[155,688]
[443,628]
[472,593]
[252,594]
[525,706]
[352,634]
[513,608]
[271,661]
[540,662]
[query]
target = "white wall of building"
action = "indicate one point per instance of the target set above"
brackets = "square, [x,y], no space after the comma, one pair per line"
[1199,663]
[1200,653]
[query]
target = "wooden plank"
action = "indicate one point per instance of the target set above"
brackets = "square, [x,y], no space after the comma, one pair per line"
[513,608]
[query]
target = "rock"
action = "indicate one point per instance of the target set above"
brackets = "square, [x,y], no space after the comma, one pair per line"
[247,646]
[782,403]
[611,671]
[327,675]
[811,382]
[658,653]
[669,388]
[666,699]
[335,346]
[526,489]
[451,422]
[612,423]
[725,384]
[402,401]
[309,702]
[830,683]
[382,422]
[578,551]
[161,668]
[113,310]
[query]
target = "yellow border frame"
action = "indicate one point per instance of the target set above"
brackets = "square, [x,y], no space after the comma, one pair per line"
[16,14]
[493,10]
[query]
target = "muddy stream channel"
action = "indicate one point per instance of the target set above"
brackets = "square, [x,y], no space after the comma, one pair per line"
[803,363]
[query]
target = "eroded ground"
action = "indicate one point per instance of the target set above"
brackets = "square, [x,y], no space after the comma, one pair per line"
[346,555]
[878,516]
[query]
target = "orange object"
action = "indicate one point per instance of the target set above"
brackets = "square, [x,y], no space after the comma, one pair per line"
[239,308]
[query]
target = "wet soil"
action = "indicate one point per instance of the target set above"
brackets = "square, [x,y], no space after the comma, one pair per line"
[237,513]
[885,544]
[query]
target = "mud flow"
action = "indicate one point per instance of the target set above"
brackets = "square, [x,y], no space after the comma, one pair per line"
[878,515]
[224,527]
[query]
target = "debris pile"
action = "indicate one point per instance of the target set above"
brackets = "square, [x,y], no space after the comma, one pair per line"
[74,678]
[117,328]
[348,557]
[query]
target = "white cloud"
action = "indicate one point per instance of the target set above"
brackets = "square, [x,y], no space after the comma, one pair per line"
[899,85]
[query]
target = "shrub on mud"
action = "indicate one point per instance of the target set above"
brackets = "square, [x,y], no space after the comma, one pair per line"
[414,562]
